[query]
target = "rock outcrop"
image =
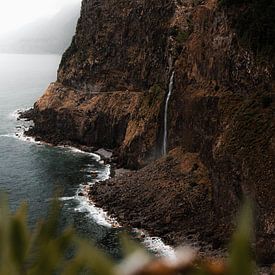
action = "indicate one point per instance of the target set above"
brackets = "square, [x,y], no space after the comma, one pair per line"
[110,93]
[170,197]
[116,68]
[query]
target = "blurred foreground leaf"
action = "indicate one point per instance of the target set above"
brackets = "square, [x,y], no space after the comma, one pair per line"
[44,251]
[240,261]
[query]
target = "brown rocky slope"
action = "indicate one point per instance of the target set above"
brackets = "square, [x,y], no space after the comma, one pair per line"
[110,93]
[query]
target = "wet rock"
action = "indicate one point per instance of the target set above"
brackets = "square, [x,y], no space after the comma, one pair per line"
[110,93]
[265,248]
[168,219]
[26,115]
[151,203]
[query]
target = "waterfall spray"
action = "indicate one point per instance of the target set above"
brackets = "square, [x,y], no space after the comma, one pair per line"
[165,134]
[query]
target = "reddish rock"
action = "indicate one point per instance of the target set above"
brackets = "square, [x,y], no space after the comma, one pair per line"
[110,93]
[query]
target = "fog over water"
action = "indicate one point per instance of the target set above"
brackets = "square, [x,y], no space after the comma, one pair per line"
[31,172]
[33,35]
[37,26]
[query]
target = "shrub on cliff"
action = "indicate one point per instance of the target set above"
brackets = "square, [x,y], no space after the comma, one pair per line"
[44,251]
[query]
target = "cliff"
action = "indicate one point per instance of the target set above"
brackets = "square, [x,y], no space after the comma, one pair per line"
[116,68]
[111,89]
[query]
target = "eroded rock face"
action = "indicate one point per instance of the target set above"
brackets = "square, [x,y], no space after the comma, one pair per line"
[111,81]
[119,45]
[111,91]
[120,120]
[223,108]
[161,197]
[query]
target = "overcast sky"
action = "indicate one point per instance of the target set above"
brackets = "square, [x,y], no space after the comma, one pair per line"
[16,13]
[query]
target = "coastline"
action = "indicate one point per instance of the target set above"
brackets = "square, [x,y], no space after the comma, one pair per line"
[99,214]
[115,215]
[112,90]
[136,200]
[190,222]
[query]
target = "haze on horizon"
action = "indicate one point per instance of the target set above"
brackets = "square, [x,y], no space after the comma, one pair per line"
[37,26]
[14,14]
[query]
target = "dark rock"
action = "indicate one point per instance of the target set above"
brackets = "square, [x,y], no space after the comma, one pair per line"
[110,93]
[26,115]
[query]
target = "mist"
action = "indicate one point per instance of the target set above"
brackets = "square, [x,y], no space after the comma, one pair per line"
[47,31]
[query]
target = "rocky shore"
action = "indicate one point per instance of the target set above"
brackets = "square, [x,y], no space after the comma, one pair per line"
[170,198]
[110,93]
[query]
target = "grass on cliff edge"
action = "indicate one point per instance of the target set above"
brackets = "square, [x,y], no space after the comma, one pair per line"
[43,251]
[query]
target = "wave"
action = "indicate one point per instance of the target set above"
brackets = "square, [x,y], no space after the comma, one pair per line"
[158,247]
[85,205]
[79,151]
[20,135]
[154,244]
[66,198]
[7,135]
[16,114]
[97,214]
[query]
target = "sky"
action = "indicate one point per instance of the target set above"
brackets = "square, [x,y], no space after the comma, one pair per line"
[17,13]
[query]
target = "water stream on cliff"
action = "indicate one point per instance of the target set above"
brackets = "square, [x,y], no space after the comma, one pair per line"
[165,131]
[32,171]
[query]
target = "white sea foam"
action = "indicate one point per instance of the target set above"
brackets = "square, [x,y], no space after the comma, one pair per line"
[7,135]
[79,151]
[157,246]
[154,244]
[20,133]
[66,198]
[97,214]
[106,174]
[85,205]
[16,114]
[21,136]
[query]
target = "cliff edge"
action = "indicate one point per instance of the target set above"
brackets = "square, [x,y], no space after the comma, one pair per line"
[110,92]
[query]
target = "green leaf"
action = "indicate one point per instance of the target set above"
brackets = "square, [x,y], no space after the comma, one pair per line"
[19,237]
[240,260]
[129,246]
[92,259]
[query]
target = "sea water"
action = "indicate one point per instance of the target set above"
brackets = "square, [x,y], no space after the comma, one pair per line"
[32,172]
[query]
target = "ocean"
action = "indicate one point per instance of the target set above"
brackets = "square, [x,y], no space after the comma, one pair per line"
[34,173]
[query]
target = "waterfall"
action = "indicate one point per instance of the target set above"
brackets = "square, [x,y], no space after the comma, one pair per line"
[165,134]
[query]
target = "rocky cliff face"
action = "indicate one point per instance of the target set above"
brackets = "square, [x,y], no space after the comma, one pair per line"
[116,68]
[119,45]
[111,90]
[223,108]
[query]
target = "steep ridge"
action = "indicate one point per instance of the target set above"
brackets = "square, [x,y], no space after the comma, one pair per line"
[119,46]
[111,90]
[223,109]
